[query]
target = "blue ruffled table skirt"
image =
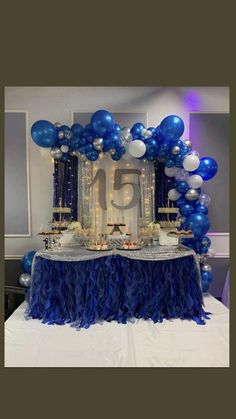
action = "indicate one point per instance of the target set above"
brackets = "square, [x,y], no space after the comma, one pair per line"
[115,288]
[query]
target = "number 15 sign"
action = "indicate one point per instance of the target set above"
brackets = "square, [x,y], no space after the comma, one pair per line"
[100,177]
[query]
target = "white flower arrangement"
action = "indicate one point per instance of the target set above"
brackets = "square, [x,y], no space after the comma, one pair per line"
[74,225]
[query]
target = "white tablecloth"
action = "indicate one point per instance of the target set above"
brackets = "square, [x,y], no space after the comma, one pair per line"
[177,343]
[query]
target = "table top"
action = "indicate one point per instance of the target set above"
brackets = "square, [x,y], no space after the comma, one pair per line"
[71,254]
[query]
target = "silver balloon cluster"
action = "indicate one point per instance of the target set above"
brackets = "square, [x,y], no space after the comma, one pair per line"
[98,144]
[25,280]
[125,136]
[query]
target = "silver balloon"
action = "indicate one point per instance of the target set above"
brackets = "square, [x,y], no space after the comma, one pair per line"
[175,150]
[98,144]
[148,134]
[57,125]
[188,143]
[112,151]
[56,152]
[64,148]
[206,268]
[192,195]
[125,136]
[60,134]
[25,280]
[68,134]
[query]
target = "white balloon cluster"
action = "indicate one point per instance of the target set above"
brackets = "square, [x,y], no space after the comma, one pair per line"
[190,163]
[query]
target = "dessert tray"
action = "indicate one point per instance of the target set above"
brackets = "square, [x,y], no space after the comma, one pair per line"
[99,246]
[129,245]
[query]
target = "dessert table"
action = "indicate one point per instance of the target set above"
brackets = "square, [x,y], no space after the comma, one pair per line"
[81,287]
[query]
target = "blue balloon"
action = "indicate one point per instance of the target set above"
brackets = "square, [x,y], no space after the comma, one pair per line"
[205,241]
[44,134]
[116,156]
[74,143]
[136,129]
[82,150]
[203,250]
[172,127]
[117,128]
[64,141]
[88,134]
[65,157]
[150,158]
[184,151]
[77,130]
[181,201]
[92,155]
[27,260]
[179,161]
[203,209]
[206,280]
[182,186]
[198,223]
[82,142]
[186,209]
[170,163]
[207,168]
[102,122]
[152,129]
[89,148]
[113,139]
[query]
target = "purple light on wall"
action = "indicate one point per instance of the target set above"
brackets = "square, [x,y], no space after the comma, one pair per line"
[192,100]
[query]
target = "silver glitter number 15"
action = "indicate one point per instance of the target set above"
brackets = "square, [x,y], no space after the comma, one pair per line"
[118,184]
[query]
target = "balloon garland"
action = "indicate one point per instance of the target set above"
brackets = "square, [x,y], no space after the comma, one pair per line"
[163,143]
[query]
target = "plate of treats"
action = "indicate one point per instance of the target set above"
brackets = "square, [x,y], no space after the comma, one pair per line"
[129,245]
[181,233]
[50,233]
[99,245]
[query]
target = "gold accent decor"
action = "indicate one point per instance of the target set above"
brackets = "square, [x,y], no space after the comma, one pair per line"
[168,210]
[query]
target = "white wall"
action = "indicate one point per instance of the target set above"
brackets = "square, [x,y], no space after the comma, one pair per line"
[57,103]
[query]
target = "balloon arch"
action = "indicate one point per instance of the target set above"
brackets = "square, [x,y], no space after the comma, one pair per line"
[160,144]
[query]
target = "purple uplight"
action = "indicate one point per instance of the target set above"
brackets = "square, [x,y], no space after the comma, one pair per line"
[192,100]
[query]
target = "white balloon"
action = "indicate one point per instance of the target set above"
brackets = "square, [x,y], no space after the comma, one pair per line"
[137,148]
[191,162]
[195,181]
[64,148]
[171,171]
[173,194]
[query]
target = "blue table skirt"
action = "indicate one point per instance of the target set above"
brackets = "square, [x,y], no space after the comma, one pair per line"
[115,288]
